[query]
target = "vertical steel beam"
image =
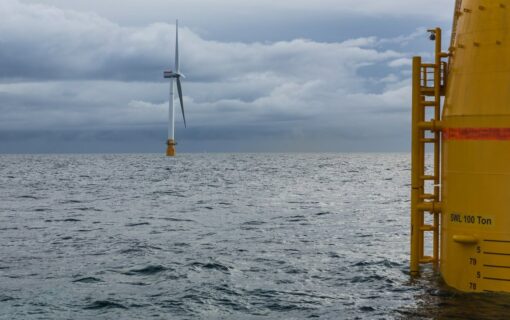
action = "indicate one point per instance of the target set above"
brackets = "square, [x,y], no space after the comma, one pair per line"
[415,168]
[437,138]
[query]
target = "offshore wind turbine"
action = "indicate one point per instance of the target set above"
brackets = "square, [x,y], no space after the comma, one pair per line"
[174,75]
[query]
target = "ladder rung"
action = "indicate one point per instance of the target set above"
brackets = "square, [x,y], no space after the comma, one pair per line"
[432,207]
[427,177]
[428,103]
[428,92]
[432,125]
[427,227]
[427,259]
[428,140]
[428,65]
[427,196]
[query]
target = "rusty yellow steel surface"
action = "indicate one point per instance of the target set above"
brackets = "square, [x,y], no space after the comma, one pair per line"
[170,149]
[475,184]
[416,182]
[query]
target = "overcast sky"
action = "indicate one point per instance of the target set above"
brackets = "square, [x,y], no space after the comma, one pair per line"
[266,75]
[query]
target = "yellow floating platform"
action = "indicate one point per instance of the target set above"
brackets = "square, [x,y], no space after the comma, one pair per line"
[469,190]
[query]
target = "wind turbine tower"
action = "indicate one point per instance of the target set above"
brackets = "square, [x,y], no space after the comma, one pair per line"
[174,75]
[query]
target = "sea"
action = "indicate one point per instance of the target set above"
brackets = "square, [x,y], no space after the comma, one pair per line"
[216,236]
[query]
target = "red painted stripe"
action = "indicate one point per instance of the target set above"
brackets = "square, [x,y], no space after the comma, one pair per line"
[501,134]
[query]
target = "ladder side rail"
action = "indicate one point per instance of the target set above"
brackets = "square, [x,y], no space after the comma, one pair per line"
[416,183]
[437,137]
[423,174]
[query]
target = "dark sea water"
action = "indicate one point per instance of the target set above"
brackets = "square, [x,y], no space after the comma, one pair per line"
[215,236]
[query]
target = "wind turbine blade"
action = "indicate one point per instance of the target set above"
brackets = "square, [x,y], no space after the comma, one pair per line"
[177,67]
[179,90]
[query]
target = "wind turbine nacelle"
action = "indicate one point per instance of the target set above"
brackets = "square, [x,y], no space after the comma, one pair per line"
[169,74]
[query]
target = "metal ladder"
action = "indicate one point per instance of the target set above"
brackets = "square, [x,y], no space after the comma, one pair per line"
[429,83]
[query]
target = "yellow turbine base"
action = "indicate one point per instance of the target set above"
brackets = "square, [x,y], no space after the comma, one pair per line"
[475,235]
[170,149]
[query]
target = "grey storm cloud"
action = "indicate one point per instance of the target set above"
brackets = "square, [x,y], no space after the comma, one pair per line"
[45,43]
[68,69]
